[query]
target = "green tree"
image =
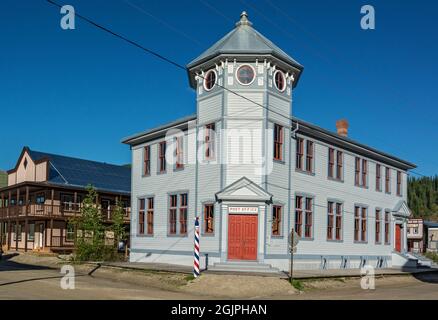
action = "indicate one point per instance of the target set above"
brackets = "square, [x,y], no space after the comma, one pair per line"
[118,225]
[90,239]
[423,197]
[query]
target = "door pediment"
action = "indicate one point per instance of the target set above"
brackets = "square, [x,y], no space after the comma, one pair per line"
[243,190]
[401,209]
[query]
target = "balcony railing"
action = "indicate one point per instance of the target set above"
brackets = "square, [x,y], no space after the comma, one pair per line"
[67,210]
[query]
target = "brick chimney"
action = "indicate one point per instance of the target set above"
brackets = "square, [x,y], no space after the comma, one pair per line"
[342,127]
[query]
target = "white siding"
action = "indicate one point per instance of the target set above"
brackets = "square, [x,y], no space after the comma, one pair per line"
[240,107]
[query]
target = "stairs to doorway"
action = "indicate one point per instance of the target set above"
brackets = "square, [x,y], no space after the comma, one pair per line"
[244,267]
[422,261]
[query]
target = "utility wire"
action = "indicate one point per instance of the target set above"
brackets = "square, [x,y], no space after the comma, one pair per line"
[170,61]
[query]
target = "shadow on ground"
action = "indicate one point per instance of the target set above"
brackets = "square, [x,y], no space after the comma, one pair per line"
[6,264]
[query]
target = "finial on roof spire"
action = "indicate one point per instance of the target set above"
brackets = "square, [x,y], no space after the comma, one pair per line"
[244,20]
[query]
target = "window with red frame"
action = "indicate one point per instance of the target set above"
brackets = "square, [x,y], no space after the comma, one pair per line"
[208,218]
[147,161]
[309,156]
[183,213]
[331,163]
[399,183]
[364,172]
[378,177]
[378,224]
[173,207]
[179,152]
[387,180]
[360,224]
[363,234]
[162,156]
[278,142]
[360,172]
[338,234]
[141,213]
[339,164]
[357,171]
[299,215]
[387,218]
[330,221]
[299,153]
[150,216]
[209,141]
[308,222]
[334,220]
[276,220]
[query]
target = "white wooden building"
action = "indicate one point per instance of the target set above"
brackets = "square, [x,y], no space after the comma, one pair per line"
[252,172]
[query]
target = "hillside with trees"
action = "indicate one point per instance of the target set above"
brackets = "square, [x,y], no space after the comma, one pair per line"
[423,197]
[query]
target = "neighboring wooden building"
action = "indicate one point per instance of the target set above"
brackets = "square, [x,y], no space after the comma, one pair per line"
[431,236]
[415,235]
[45,190]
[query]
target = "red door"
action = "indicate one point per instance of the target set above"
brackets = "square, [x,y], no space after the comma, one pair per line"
[242,237]
[398,237]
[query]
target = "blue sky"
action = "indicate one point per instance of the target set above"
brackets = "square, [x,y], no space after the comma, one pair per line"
[80,92]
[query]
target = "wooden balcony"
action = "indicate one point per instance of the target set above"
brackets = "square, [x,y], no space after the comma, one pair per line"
[67,210]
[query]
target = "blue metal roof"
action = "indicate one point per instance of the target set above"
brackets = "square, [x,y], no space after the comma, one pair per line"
[244,39]
[81,173]
[431,224]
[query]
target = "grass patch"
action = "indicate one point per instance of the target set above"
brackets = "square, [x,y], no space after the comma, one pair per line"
[432,256]
[297,284]
[189,277]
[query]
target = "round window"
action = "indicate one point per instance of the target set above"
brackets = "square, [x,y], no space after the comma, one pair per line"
[210,80]
[245,74]
[280,80]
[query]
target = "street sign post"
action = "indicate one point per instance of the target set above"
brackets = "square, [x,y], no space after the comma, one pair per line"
[293,242]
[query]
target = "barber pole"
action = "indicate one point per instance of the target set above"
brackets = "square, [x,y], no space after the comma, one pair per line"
[196,254]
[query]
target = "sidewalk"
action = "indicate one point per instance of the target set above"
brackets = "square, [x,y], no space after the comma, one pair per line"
[298,274]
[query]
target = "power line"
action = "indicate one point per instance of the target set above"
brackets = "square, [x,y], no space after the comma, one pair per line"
[170,61]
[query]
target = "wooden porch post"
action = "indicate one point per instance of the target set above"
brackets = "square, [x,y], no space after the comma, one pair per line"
[1,234]
[51,232]
[27,200]
[26,230]
[16,235]
[75,200]
[10,234]
[62,235]
[9,201]
[53,198]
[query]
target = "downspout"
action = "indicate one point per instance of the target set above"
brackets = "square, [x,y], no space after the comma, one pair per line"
[294,132]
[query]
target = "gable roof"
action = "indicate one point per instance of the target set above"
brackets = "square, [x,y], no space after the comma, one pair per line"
[245,40]
[80,173]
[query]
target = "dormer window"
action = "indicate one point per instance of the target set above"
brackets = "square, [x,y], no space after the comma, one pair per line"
[25,163]
[245,74]
[210,80]
[280,80]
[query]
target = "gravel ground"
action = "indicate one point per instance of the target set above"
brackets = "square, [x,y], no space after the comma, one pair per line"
[145,284]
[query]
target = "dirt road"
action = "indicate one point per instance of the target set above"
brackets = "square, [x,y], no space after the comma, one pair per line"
[20,280]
